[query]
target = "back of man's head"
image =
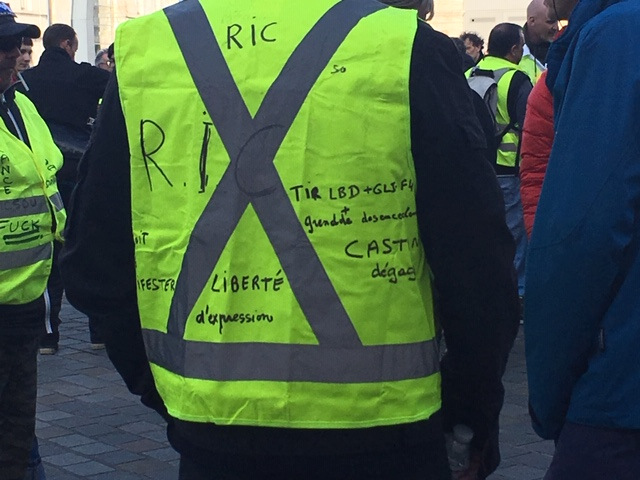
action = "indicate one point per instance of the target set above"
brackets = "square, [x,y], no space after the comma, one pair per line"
[474,38]
[503,38]
[57,34]
[100,56]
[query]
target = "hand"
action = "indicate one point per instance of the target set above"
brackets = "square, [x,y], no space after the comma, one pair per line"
[470,473]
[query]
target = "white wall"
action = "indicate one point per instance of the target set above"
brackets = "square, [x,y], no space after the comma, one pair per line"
[83,23]
[455,16]
[482,15]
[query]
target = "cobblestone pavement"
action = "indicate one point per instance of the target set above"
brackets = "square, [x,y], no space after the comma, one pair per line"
[90,426]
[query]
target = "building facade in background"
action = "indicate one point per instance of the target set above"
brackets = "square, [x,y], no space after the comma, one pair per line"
[456,16]
[108,14]
[96,20]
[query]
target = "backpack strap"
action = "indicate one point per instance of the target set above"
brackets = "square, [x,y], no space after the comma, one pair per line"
[497,75]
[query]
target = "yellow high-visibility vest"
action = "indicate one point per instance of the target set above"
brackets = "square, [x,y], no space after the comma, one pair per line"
[508,148]
[530,65]
[31,209]
[281,280]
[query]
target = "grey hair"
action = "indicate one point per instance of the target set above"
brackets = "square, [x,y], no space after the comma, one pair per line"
[99,56]
[424,7]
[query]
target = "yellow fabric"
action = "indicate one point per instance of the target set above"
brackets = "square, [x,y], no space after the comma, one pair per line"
[511,138]
[27,173]
[307,404]
[351,142]
[532,67]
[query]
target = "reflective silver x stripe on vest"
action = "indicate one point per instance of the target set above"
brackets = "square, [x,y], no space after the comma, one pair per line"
[251,178]
[24,258]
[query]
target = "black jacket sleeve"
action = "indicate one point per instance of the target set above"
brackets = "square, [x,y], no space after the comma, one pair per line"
[97,263]
[94,79]
[468,245]
[517,97]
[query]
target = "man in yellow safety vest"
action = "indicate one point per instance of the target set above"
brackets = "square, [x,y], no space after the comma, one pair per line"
[31,217]
[292,198]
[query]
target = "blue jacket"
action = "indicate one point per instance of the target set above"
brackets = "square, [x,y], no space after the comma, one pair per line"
[582,310]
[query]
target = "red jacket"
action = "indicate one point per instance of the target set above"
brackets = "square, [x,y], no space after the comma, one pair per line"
[537,140]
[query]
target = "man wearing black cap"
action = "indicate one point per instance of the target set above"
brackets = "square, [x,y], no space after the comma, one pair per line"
[31,217]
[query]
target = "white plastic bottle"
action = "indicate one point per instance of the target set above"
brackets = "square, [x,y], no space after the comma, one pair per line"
[459,450]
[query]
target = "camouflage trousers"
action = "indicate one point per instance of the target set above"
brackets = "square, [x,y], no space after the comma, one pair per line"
[18,387]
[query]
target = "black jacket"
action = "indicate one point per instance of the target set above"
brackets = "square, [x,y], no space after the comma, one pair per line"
[462,224]
[66,94]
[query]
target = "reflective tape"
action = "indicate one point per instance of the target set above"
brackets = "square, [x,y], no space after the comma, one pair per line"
[26,257]
[499,73]
[23,206]
[56,200]
[251,178]
[291,363]
[508,147]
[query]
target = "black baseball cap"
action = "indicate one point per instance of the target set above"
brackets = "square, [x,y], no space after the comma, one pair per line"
[10,28]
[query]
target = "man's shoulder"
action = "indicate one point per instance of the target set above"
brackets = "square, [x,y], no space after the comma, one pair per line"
[613,23]
[520,77]
[490,62]
[92,74]
[432,48]
[432,37]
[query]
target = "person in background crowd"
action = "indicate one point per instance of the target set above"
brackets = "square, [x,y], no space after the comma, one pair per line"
[353,350]
[66,94]
[582,308]
[480,107]
[31,217]
[112,59]
[26,52]
[467,61]
[539,31]
[102,60]
[506,43]
[474,44]
[35,469]
[537,140]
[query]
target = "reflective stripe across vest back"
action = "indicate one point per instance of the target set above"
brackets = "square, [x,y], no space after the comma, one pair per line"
[281,278]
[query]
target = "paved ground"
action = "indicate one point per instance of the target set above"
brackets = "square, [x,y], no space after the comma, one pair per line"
[91,427]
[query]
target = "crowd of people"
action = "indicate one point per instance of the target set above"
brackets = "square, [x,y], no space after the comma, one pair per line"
[307,233]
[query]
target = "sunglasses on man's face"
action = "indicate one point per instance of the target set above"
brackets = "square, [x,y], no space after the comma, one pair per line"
[9,44]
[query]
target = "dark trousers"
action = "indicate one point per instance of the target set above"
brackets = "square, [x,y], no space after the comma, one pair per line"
[35,469]
[55,287]
[18,386]
[424,461]
[592,453]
